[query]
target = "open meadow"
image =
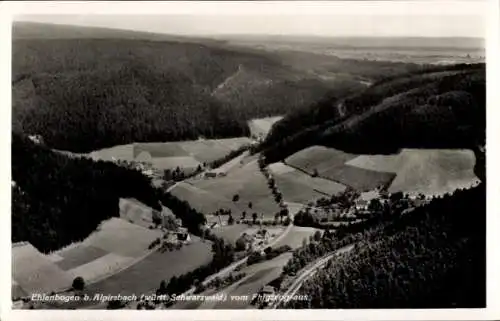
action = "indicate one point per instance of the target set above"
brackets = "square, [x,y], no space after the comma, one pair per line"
[34,272]
[145,276]
[211,194]
[299,187]
[170,155]
[427,171]
[332,164]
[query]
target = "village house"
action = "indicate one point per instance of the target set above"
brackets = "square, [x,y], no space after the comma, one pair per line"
[262,234]
[210,175]
[183,235]
[267,290]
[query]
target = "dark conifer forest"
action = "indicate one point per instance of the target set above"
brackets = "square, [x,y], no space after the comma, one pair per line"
[433,257]
[57,200]
[441,108]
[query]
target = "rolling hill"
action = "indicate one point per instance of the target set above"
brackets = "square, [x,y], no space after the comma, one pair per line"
[84,89]
[443,107]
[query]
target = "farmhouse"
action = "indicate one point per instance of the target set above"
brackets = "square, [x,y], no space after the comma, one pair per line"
[267,290]
[361,204]
[210,174]
[183,235]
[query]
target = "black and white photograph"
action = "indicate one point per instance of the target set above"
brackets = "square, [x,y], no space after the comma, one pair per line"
[330,157]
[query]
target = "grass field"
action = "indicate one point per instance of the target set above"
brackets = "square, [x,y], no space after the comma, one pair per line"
[184,162]
[202,200]
[135,212]
[332,164]
[210,194]
[169,149]
[262,126]
[33,272]
[300,187]
[296,235]
[100,267]
[122,152]
[146,275]
[230,233]
[428,171]
[169,155]
[79,255]
[122,238]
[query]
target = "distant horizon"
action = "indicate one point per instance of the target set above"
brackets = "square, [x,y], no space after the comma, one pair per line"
[335,19]
[223,36]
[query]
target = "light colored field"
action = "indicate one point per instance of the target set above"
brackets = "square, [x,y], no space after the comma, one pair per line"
[35,273]
[122,152]
[213,149]
[230,233]
[331,164]
[248,183]
[202,200]
[280,168]
[296,235]
[262,126]
[146,275]
[232,164]
[300,187]
[234,143]
[205,150]
[122,238]
[169,155]
[168,149]
[294,208]
[428,171]
[79,255]
[133,211]
[104,265]
[171,163]
[318,157]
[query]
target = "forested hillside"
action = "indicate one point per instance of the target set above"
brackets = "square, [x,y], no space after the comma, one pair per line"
[57,200]
[442,107]
[433,257]
[85,90]
[85,94]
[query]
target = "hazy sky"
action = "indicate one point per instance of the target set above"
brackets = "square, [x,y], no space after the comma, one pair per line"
[356,18]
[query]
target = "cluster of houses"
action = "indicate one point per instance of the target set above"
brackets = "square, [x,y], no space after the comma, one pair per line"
[359,209]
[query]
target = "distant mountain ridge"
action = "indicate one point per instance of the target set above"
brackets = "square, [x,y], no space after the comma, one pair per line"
[366,42]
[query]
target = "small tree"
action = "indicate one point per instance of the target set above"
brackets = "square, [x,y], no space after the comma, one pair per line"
[250,205]
[317,236]
[78,283]
[241,244]
[230,220]
[315,173]
[254,217]
[236,198]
